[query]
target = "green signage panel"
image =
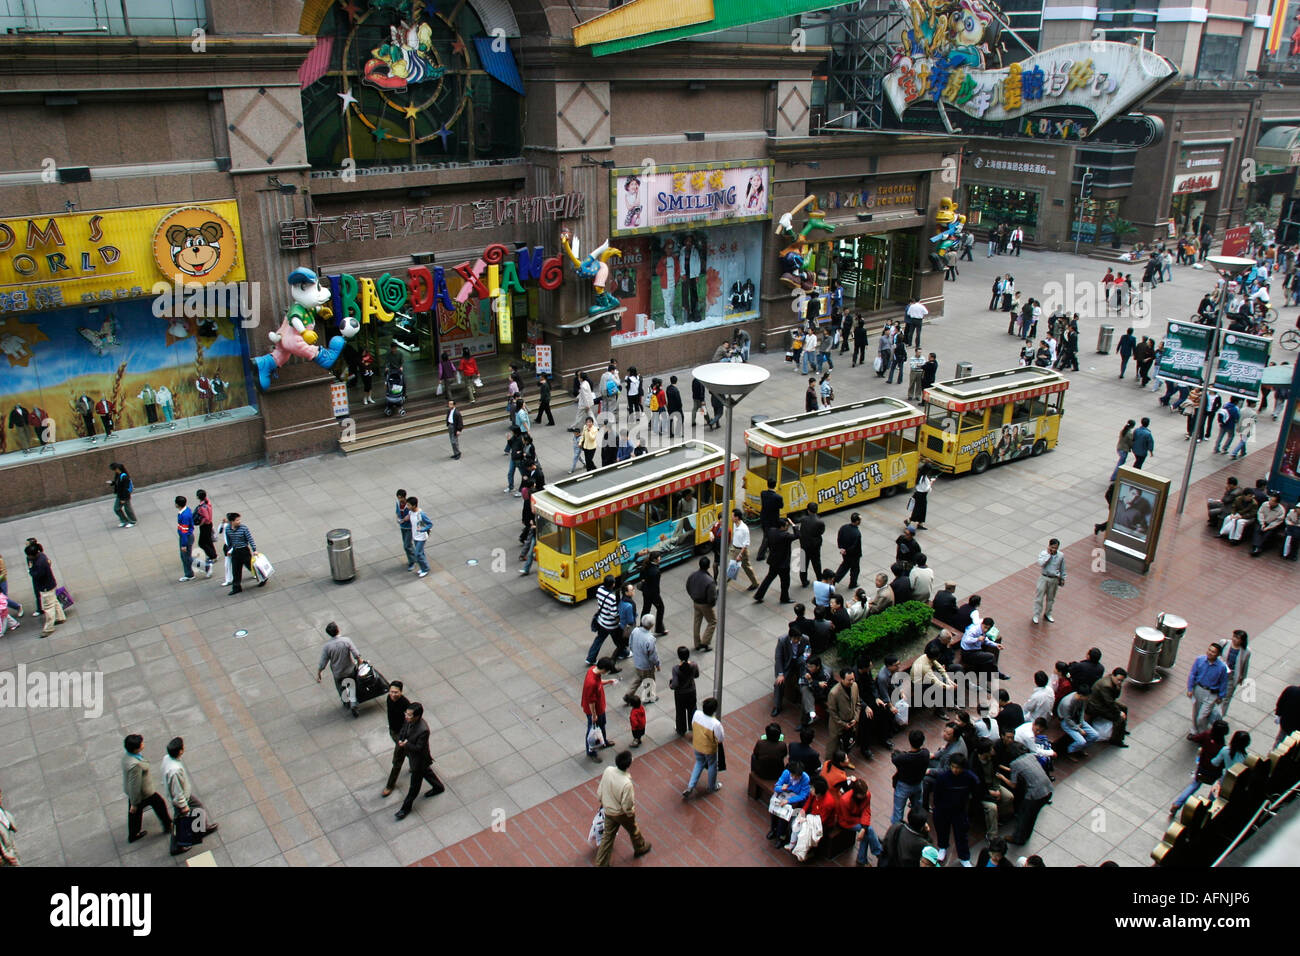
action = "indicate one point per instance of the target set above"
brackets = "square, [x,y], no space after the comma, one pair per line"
[1183,357]
[1241,364]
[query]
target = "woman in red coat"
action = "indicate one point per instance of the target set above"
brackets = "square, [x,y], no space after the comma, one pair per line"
[855,814]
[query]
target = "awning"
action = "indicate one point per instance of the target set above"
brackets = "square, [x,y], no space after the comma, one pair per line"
[1280,146]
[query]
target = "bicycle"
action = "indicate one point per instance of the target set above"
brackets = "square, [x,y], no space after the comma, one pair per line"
[1289,340]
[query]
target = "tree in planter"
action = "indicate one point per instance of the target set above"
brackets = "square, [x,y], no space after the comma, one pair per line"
[877,635]
[1119,229]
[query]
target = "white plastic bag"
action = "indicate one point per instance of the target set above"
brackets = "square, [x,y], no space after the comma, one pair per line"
[262,567]
[597,830]
[733,570]
[879,364]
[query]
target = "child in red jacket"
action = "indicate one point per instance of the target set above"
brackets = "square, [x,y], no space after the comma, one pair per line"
[637,718]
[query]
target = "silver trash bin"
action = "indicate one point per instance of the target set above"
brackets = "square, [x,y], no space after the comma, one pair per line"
[1173,628]
[1147,643]
[1105,336]
[339,545]
[964,370]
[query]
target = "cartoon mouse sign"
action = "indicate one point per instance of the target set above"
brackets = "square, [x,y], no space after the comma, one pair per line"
[194,243]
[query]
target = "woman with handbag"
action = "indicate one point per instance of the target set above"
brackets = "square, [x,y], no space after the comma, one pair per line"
[916,508]
[43,581]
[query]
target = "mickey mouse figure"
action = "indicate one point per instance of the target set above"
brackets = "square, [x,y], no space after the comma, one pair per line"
[297,333]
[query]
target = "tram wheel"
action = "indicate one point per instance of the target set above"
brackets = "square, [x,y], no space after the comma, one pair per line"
[1040,446]
[981,463]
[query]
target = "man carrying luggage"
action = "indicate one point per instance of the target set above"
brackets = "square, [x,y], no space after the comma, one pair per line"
[342,657]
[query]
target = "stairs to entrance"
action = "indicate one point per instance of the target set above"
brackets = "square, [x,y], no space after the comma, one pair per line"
[426,413]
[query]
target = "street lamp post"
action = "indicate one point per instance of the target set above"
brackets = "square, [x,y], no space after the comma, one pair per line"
[1231,267]
[731,382]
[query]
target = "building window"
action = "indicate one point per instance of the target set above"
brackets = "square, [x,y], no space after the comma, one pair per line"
[1026,18]
[1116,16]
[1218,56]
[1092,220]
[140,18]
[989,206]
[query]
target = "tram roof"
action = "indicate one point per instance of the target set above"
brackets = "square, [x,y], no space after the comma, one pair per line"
[979,391]
[644,474]
[829,425]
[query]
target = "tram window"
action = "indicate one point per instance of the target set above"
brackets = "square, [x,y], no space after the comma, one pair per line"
[631,522]
[828,460]
[936,416]
[974,421]
[809,463]
[759,465]
[875,450]
[1023,411]
[1056,403]
[907,439]
[704,492]
[607,528]
[586,537]
[852,453]
[998,415]
[552,536]
[790,469]
[684,502]
[657,510]
[894,443]
[1038,407]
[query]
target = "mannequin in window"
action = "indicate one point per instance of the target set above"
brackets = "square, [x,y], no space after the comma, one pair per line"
[20,426]
[86,409]
[204,385]
[150,399]
[104,409]
[220,390]
[165,402]
[36,419]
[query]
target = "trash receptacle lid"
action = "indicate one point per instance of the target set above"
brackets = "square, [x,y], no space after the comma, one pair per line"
[338,534]
[1173,622]
[1149,634]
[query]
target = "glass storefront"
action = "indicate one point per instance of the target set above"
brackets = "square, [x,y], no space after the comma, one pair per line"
[989,206]
[1187,210]
[1091,220]
[875,270]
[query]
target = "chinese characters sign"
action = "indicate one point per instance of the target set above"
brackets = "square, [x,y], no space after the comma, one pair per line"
[1241,364]
[427,220]
[1183,357]
[53,262]
[1196,182]
[1104,78]
[656,198]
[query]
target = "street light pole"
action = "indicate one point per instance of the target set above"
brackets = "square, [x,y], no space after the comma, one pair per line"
[730,381]
[1231,268]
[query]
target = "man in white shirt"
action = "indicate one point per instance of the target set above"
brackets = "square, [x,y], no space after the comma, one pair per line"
[922,579]
[1042,701]
[1052,563]
[740,547]
[1027,732]
[618,799]
[420,525]
[915,314]
[1017,238]
[809,352]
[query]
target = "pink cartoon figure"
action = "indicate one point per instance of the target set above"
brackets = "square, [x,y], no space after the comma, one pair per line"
[297,334]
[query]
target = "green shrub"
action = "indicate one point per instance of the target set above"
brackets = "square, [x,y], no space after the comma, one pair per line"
[880,633]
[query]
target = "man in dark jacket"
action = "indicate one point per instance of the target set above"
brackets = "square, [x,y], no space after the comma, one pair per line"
[899,361]
[1103,704]
[397,705]
[907,548]
[904,842]
[901,585]
[544,399]
[768,759]
[676,414]
[1088,671]
[121,483]
[945,606]
[791,651]
[860,341]
[953,789]
[698,398]
[414,736]
[650,595]
[810,401]
[44,584]
[703,592]
[770,506]
[849,541]
[778,542]
[811,531]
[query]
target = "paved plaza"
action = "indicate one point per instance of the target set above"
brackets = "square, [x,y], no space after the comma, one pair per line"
[294,780]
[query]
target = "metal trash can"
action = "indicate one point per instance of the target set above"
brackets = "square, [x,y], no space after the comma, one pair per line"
[1173,628]
[1105,335]
[964,370]
[1147,642]
[339,545]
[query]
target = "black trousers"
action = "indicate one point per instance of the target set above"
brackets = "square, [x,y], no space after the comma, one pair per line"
[399,758]
[773,573]
[691,299]
[859,354]
[544,408]
[1026,817]
[239,559]
[419,773]
[205,542]
[135,817]
[684,708]
[850,565]
[656,602]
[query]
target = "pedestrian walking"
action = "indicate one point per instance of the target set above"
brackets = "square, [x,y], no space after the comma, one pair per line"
[1144,443]
[605,622]
[707,737]
[240,547]
[586,401]
[1051,565]
[703,592]
[122,489]
[739,549]
[414,737]
[204,526]
[1245,430]
[1210,760]
[544,399]
[849,542]
[456,425]
[45,586]
[342,658]
[403,512]
[1207,687]
[860,341]
[421,525]
[185,534]
[682,683]
[884,350]
[645,659]
[617,797]
[589,441]
[137,784]
[812,530]
[898,360]
[953,789]
[1124,445]
[1237,659]
[651,595]
[190,819]
[15,609]
[918,504]
[779,543]
[397,705]
[593,705]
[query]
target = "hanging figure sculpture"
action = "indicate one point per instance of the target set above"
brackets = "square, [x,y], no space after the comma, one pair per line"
[297,334]
[594,267]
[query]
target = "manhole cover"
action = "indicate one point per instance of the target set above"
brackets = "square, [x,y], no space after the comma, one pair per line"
[241,633]
[1119,589]
[472,562]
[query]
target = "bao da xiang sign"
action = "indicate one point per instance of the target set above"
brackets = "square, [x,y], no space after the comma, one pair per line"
[1104,78]
[656,198]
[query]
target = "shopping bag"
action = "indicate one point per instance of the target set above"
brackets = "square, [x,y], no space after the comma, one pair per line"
[733,570]
[261,566]
[64,598]
[597,830]
[879,364]
[478,382]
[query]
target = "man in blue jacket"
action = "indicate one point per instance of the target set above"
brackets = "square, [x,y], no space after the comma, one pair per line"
[1227,418]
[185,531]
[1144,444]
